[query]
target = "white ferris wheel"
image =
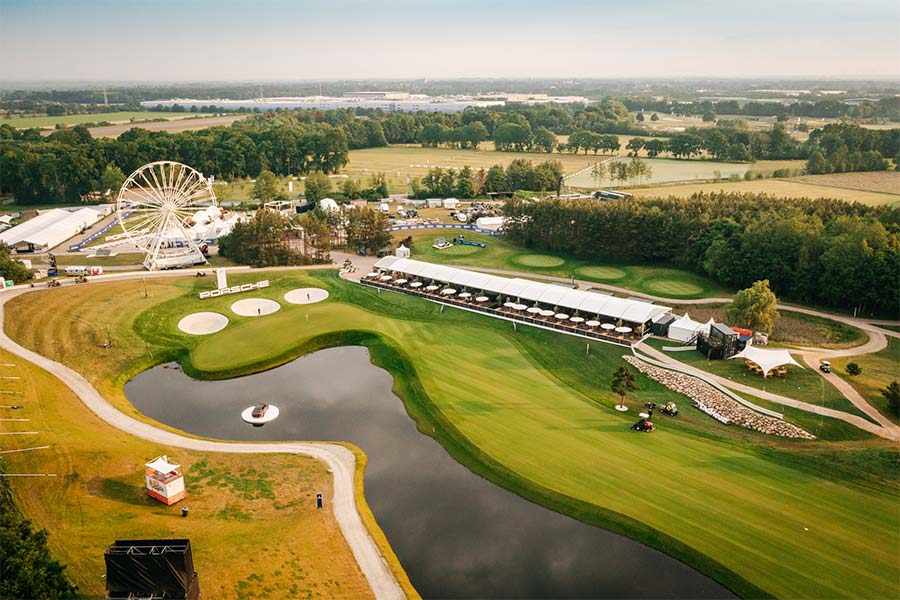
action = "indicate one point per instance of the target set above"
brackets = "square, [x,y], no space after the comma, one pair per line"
[157,208]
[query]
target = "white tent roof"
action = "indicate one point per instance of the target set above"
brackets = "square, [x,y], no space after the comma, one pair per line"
[633,311]
[162,464]
[767,359]
[686,322]
[51,228]
[328,204]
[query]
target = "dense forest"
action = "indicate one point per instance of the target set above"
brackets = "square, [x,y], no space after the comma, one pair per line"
[812,251]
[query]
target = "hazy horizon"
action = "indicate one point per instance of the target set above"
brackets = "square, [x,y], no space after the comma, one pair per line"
[282,41]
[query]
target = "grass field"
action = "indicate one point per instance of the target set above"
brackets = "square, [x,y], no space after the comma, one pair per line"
[533,412]
[878,370]
[500,254]
[776,187]
[109,117]
[234,501]
[801,383]
[792,328]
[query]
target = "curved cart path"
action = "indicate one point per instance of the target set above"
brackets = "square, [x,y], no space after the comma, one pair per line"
[887,429]
[338,458]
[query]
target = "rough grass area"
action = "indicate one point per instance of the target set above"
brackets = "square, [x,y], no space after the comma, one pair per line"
[532,411]
[878,370]
[792,327]
[252,518]
[501,254]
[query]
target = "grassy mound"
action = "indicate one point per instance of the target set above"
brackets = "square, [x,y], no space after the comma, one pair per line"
[672,287]
[541,261]
[601,273]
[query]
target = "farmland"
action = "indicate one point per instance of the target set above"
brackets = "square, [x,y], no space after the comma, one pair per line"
[47,122]
[542,423]
[775,187]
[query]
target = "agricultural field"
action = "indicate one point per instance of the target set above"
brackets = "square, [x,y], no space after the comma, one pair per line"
[789,188]
[726,501]
[500,254]
[878,371]
[189,123]
[669,170]
[123,116]
[886,182]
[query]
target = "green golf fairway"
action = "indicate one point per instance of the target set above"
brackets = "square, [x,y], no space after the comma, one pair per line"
[532,411]
[538,260]
[670,287]
[602,273]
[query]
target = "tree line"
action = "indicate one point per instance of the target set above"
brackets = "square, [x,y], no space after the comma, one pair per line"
[885,108]
[812,251]
[68,164]
[466,183]
[842,147]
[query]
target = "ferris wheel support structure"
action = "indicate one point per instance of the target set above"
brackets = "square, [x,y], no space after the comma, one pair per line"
[157,208]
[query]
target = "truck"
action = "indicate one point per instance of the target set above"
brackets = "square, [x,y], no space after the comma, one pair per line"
[81,271]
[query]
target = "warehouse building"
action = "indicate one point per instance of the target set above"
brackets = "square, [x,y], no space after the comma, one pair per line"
[51,228]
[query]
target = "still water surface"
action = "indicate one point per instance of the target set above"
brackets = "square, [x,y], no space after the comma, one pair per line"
[456,534]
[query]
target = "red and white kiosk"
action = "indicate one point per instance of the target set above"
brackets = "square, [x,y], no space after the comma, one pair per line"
[165,481]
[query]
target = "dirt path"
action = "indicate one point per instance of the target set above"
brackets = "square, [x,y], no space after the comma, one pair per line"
[338,458]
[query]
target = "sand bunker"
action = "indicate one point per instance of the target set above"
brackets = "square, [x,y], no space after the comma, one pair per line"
[203,323]
[254,307]
[306,295]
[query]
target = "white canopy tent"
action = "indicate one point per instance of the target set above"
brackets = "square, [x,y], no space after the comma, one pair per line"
[685,328]
[767,359]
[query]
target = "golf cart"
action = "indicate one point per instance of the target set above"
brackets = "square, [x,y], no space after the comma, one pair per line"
[669,408]
[825,366]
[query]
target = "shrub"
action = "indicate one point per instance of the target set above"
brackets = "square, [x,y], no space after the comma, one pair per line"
[853,369]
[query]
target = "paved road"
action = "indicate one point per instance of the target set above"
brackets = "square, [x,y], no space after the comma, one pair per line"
[338,458]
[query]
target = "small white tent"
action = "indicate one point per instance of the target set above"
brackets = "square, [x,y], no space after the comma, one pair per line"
[328,205]
[685,328]
[767,359]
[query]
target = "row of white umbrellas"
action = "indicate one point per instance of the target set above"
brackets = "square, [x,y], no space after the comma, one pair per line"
[535,310]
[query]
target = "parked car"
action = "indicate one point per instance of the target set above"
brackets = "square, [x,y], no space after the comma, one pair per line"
[825,366]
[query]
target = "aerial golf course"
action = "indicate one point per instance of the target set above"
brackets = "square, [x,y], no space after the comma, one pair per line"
[530,410]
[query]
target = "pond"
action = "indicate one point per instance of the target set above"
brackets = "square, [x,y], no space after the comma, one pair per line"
[456,534]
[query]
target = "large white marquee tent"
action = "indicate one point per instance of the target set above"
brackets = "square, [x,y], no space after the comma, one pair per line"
[685,328]
[631,311]
[51,228]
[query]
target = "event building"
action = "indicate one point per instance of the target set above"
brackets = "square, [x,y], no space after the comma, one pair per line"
[52,227]
[586,314]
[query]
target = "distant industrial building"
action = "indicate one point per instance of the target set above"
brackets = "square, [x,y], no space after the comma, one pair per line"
[386,101]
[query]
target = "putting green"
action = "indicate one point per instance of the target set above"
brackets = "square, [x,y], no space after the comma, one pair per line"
[606,273]
[538,260]
[458,250]
[672,287]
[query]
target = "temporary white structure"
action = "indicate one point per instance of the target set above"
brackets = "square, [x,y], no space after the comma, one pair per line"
[451,202]
[685,328]
[767,359]
[328,205]
[590,303]
[492,223]
[50,228]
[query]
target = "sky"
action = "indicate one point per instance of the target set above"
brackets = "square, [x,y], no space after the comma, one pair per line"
[264,40]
